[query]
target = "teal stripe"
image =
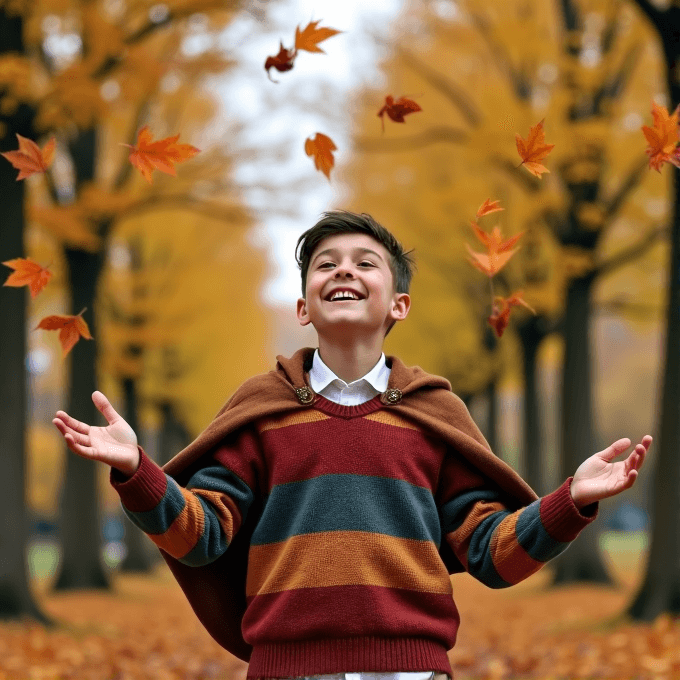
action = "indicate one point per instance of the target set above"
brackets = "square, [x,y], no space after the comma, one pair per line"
[219,478]
[453,512]
[346,502]
[480,564]
[158,520]
[533,537]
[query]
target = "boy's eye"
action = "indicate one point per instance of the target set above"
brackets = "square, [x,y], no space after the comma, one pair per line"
[365,262]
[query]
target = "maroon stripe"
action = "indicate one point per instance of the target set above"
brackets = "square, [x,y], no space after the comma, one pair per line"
[346,611]
[457,475]
[332,446]
[240,452]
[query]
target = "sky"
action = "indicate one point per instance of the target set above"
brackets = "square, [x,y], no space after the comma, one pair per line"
[309,98]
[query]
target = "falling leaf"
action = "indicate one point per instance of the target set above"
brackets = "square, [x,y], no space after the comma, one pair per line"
[27,273]
[534,149]
[30,158]
[662,138]
[71,329]
[501,311]
[160,155]
[309,38]
[488,207]
[283,61]
[321,147]
[396,110]
[498,251]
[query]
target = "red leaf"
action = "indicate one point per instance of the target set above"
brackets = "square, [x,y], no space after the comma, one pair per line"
[27,273]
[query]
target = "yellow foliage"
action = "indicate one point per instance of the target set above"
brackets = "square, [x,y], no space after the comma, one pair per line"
[68,224]
[574,262]
[591,216]
[45,461]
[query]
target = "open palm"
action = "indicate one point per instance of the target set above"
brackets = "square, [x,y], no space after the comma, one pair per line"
[597,478]
[115,444]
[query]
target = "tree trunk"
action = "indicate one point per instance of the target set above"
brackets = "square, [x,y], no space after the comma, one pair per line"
[531,338]
[660,589]
[173,435]
[16,600]
[582,560]
[80,521]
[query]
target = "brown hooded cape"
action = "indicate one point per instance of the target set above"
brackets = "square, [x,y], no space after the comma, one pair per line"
[217,591]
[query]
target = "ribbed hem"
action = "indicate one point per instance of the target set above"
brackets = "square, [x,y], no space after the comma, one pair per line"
[560,516]
[342,411]
[143,490]
[348,655]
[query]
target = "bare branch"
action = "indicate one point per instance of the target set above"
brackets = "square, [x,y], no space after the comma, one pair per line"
[443,85]
[431,136]
[233,214]
[652,13]
[632,252]
[527,181]
[628,185]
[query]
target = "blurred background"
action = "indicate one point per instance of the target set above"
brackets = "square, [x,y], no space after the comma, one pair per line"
[190,282]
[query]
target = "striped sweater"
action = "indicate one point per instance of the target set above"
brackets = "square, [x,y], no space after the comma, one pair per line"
[344,560]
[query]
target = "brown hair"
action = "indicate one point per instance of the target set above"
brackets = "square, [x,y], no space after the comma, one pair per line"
[343,222]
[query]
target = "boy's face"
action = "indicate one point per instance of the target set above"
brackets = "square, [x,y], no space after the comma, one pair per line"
[366,273]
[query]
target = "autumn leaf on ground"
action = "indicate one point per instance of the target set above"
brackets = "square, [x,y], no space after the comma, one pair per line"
[396,110]
[501,311]
[27,273]
[498,251]
[148,155]
[309,38]
[283,61]
[71,329]
[663,137]
[30,158]
[321,148]
[487,207]
[534,149]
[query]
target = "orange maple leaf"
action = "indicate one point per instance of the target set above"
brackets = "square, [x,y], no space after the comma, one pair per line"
[663,137]
[283,61]
[321,148]
[148,155]
[501,311]
[309,38]
[534,149]
[71,328]
[27,273]
[488,207]
[30,158]
[397,109]
[498,251]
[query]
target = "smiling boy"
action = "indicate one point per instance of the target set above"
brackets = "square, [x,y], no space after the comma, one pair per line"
[315,523]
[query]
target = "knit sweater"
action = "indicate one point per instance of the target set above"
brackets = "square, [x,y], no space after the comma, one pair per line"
[344,562]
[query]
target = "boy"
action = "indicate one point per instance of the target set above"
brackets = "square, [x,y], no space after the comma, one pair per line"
[321,513]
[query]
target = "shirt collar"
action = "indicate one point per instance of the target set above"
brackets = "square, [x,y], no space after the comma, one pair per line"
[320,375]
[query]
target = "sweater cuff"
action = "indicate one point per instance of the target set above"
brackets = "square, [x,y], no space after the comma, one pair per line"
[144,489]
[560,516]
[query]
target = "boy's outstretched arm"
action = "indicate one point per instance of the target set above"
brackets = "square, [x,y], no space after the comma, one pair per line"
[195,524]
[501,548]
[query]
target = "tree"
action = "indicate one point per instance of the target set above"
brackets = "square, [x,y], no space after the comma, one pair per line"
[660,588]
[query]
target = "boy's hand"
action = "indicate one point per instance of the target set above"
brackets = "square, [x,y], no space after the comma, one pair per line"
[597,478]
[115,445]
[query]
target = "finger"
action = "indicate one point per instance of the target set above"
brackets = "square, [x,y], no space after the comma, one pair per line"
[72,423]
[74,436]
[615,449]
[104,406]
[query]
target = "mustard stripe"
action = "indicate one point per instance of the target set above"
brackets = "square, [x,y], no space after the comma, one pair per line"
[296,418]
[388,418]
[183,534]
[225,511]
[338,558]
[510,559]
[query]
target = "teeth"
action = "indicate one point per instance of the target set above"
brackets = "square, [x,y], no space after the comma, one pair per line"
[344,294]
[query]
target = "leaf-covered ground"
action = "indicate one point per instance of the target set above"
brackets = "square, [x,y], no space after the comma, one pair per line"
[145,630]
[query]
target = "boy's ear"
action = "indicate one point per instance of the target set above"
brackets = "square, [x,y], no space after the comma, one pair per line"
[402,304]
[301,312]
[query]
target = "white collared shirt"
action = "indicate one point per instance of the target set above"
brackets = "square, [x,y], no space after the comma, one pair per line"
[324,382]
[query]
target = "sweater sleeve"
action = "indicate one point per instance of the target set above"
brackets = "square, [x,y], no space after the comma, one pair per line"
[194,524]
[497,546]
